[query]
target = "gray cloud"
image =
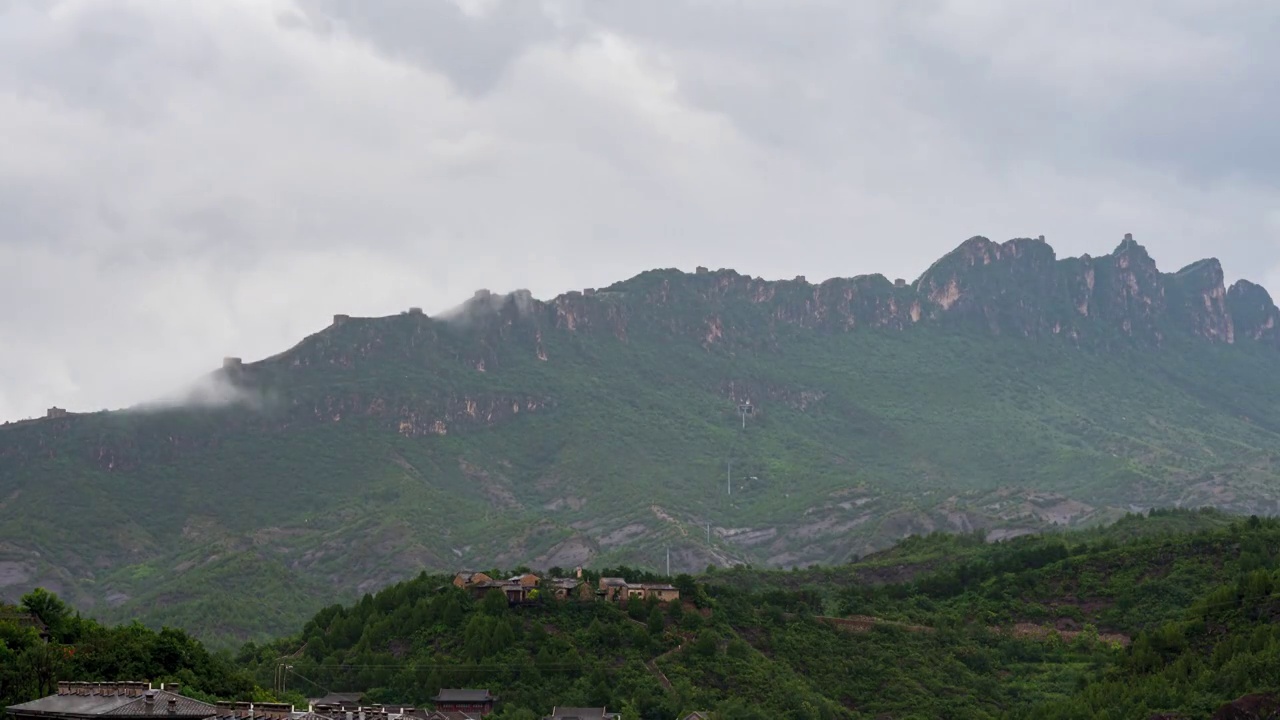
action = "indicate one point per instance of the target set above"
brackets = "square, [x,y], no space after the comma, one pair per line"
[183,181]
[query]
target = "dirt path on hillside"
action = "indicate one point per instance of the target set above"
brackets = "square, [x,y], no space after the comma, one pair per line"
[653,666]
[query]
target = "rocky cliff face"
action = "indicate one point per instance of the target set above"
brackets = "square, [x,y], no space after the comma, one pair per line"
[1017,288]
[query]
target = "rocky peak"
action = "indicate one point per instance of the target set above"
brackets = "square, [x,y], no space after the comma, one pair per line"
[1253,313]
[1019,287]
[1198,301]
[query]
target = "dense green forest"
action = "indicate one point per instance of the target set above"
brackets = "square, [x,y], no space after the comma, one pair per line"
[1170,614]
[78,648]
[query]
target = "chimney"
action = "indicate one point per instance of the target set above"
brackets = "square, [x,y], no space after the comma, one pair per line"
[174,688]
[173,706]
[150,696]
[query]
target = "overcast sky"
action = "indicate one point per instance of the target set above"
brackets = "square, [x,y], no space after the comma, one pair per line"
[185,180]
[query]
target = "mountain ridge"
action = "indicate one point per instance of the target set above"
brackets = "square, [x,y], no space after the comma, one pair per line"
[1005,389]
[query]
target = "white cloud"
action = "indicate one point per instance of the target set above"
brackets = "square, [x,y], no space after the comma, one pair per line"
[183,181]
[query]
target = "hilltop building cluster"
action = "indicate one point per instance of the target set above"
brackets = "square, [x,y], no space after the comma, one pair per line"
[529,587]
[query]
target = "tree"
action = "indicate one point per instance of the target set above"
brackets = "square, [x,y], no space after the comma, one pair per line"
[707,644]
[48,607]
[495,602]
[656,622]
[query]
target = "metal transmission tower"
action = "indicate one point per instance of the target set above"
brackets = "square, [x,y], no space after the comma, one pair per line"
[744,409]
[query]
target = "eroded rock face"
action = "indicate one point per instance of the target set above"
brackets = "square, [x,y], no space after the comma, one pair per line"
[1017,288]
[1253,313]
[1260,706]
[1199,302]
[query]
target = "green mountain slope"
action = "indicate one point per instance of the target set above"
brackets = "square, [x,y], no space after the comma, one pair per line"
[1029,628]
[1165,616]
[1005,390]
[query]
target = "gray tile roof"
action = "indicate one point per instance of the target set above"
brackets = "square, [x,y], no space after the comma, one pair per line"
[117,706]
[72,705]
[452,696]
[181,707]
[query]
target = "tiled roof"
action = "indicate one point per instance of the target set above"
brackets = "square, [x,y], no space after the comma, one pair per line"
[451,696]
[72,705]
[118,706]
[181,707]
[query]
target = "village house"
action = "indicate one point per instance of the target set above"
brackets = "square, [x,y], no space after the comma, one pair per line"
[613,588]
[565,588]
[466,579]
[519,589]
[661,592]
[343,711]
[263,711]
[618,589]
[472,702]
[117,700]
[139,701]
[526,579]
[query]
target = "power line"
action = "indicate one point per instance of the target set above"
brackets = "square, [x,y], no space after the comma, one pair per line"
[443,666]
